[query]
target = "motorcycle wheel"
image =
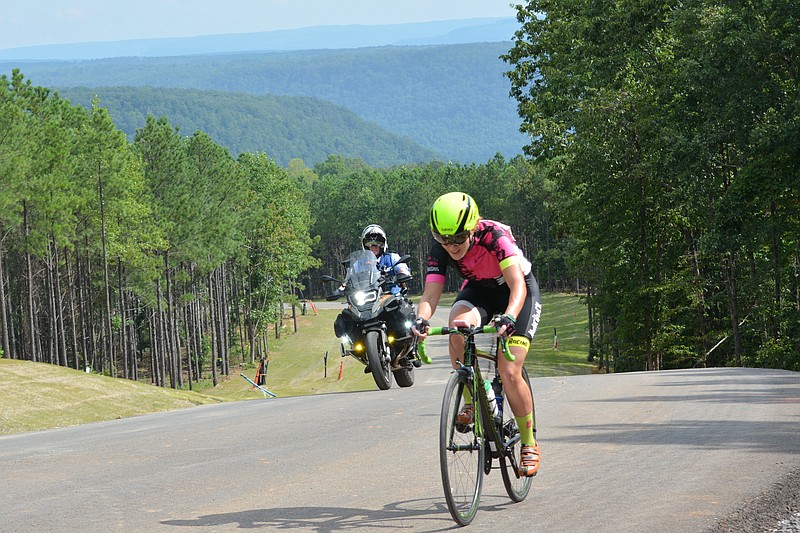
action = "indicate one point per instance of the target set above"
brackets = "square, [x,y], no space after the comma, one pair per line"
[404,377]
[378,355]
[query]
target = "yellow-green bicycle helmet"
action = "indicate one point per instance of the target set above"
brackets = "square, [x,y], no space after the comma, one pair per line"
[453,216]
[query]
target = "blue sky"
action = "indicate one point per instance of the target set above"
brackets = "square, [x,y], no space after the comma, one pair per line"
[40,22]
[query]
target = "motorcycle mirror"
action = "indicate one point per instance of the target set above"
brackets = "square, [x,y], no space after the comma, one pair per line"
[403,259]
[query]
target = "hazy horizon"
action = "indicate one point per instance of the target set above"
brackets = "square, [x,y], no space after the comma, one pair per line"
[55,22]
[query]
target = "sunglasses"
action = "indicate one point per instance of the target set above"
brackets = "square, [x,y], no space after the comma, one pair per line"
[458,238]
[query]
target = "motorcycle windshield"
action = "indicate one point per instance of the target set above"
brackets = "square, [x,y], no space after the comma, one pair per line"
[362,271]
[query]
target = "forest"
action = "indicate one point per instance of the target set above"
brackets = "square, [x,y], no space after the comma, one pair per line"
[671,131]
[670,205]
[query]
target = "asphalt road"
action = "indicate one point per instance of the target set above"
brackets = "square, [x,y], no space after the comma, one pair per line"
[668,451]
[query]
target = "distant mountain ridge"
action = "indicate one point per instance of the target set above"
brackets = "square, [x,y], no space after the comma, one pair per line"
[451,99]
[435,89]
[283,127]
[317,37]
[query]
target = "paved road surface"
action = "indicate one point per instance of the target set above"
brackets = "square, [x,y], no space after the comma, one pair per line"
[657,452]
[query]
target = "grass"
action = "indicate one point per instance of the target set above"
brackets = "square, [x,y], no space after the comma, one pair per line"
[298,364]
[563,318]
[39,396]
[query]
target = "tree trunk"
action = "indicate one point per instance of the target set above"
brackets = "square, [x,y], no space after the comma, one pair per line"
[73,319]
[187,328]
[29,331]
[51,354]
[62,331]
[734,306]
[700,308]
[132,303]
[171,336]
[795,280]
[155,356]
[589,306]
[160,334]
[225,324]
[644,280]
[108,344]
[212,327]
[87,311]
[4,318]
[198,336]
[123,340]
[776,264]
[251,326]
[236,289]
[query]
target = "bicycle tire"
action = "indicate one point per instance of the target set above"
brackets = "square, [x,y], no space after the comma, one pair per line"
[517,486]
[461,455]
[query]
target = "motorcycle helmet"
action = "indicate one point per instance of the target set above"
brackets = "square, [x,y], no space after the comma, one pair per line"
[453,216]
[373,234]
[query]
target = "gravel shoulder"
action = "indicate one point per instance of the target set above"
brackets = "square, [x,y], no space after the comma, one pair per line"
[775,511]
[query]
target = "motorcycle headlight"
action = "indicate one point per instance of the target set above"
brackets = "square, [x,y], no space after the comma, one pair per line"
[364,297]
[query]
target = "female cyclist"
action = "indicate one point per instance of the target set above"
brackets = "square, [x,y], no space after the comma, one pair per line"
[498,284]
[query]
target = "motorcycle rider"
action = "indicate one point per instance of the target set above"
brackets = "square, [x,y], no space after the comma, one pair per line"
[373,238]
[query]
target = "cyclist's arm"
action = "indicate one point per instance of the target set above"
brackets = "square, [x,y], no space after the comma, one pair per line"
[430,299]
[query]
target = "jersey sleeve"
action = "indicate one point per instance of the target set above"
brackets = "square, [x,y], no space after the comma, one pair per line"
[437,261]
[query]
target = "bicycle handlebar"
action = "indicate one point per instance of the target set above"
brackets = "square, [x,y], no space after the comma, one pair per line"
[466,331]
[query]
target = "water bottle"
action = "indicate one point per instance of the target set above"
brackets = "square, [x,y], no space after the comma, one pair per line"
[498,395]
[490,396]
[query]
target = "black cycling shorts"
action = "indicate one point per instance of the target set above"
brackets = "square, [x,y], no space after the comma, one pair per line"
[491,301]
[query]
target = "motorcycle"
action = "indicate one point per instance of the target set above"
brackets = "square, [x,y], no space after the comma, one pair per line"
[375,327]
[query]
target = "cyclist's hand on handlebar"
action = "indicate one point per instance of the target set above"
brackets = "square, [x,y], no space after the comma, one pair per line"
[421,326]
[505,324]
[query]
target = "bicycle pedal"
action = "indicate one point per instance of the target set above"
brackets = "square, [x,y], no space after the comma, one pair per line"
[463,428]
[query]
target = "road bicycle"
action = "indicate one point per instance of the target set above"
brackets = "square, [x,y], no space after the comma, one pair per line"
[467,452]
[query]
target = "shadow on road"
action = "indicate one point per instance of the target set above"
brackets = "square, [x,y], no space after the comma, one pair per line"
[429,515]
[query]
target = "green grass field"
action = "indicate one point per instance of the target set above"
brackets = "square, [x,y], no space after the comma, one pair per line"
[565,315]
[38,396]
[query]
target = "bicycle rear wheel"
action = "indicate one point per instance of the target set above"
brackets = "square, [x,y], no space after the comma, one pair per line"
[461,455]
[517,486]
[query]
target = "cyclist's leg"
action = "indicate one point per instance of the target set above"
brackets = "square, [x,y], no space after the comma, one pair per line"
[511,371]
[516,389]
[519,395]
[519,399]
[463,309]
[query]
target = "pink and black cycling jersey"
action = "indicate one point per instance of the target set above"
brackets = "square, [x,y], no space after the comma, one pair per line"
[493,248]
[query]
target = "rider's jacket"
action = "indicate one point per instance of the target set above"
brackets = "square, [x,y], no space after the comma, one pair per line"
[385,262]
[493,248]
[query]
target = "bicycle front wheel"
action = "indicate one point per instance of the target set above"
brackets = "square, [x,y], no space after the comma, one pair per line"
[461,455]
[517,486]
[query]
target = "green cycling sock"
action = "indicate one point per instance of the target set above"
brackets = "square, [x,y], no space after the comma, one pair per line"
[525,424]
